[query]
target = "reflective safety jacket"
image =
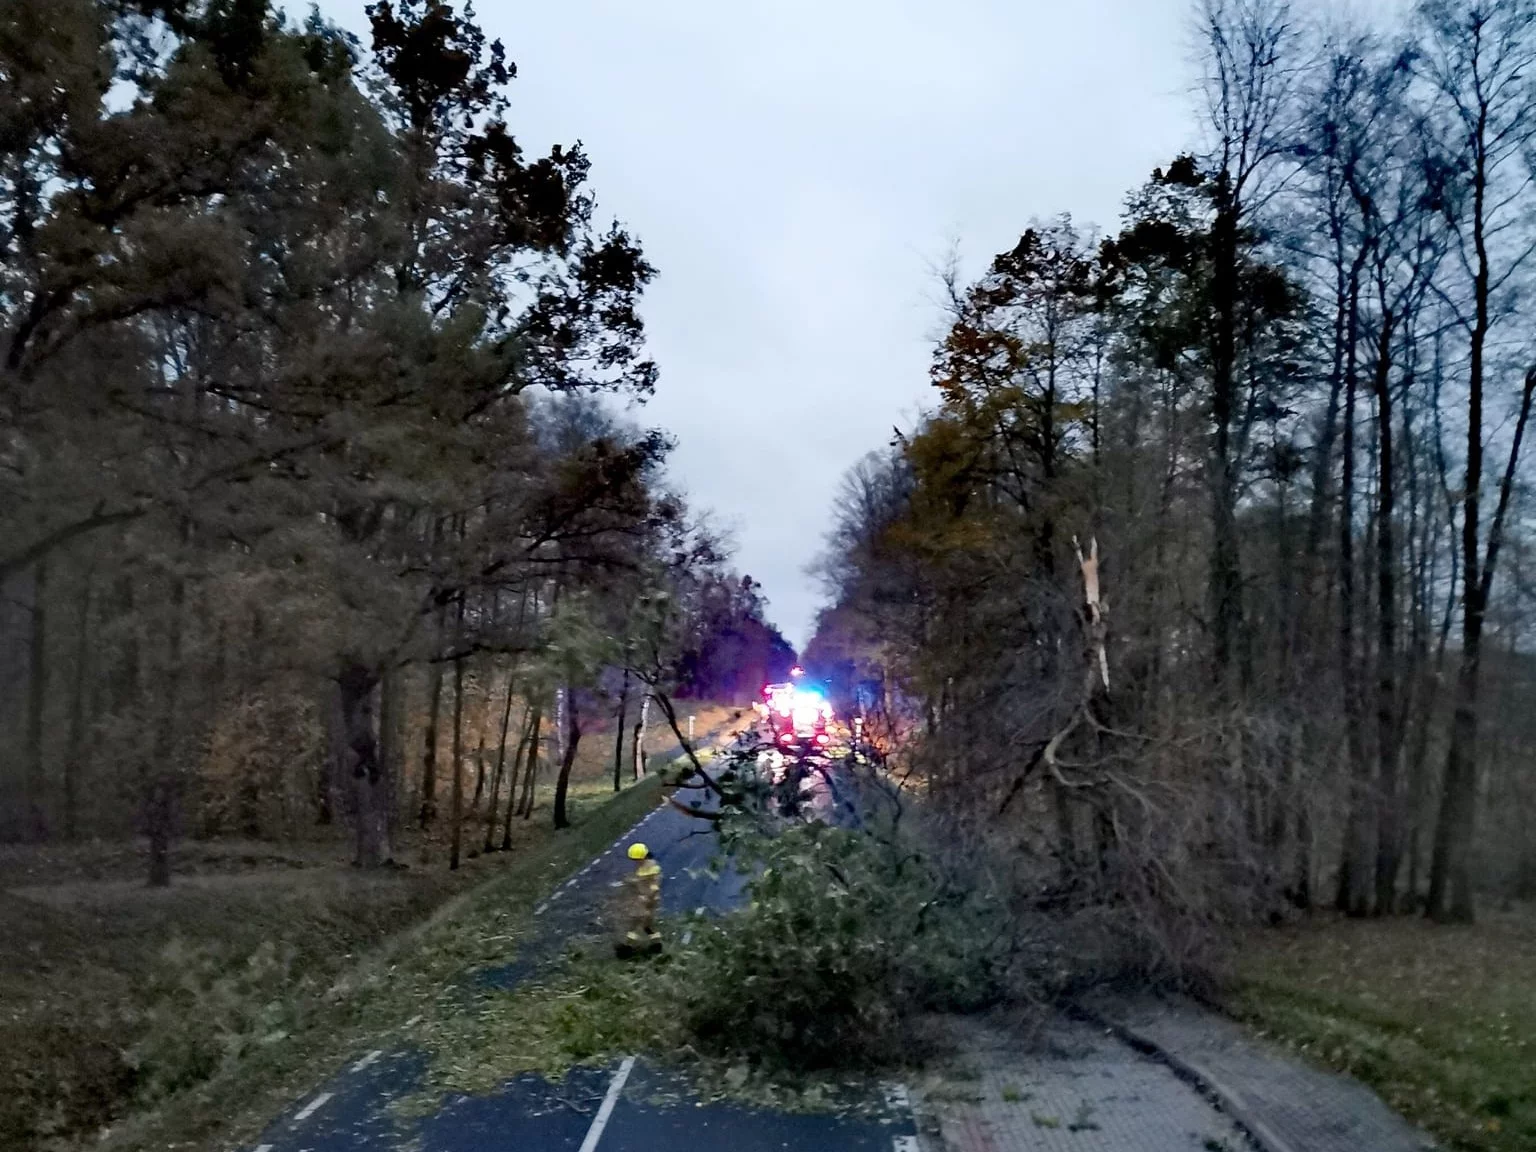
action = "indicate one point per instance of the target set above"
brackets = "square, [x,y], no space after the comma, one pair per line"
[646,902]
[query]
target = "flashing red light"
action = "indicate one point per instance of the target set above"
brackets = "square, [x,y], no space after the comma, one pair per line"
[786,738]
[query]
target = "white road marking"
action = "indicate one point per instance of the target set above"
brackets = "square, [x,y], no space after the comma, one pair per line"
[600,1121]
[263,1148]
[905,1144]
[368,1059]
[539,911]
[896,1096]
[312,1107]
[413,1021]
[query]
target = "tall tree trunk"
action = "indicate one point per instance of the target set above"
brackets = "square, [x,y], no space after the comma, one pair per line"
[126,681]
[567,760]
[559,729]
[618,734]
[501,764]
[1304,847]
[525,728]
[360,762]
[456,785]
[332,770]
[637,742]
[389,755]
[429,737]
[474,801]
[164,785]
[1389,820]
[74,757]
[1450,882]
[1450,878]
[1418,765]
[1225,570]
[1354,885]
[531,771]
[1066,835]
[37,692]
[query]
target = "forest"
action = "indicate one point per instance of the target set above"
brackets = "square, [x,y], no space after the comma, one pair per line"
[1277,419]
[317,453]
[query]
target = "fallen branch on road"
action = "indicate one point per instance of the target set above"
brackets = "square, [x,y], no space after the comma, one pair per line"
[713,817]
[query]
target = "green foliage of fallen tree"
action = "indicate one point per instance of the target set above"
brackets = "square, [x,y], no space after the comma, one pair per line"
[845,938]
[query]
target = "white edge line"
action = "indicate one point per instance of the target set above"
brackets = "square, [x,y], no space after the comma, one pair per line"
[600,1121]
[368,1059]
[312,1107]
[542,908]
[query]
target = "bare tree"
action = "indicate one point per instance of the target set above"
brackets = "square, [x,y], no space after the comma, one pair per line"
[1478,59]
[1250,75]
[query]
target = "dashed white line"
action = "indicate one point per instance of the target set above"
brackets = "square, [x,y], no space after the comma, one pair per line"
[896,1096]
[367,1060]
[312,1107]
[591,864]
[263,1148]
[413,1021]
[905,1144]
[600,1121]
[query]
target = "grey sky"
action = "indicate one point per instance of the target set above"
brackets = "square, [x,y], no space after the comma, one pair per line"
[795,169]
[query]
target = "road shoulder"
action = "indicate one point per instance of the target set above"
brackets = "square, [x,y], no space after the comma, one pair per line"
[1064,1085]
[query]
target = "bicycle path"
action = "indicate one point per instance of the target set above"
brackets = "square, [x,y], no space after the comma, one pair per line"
[631,1105]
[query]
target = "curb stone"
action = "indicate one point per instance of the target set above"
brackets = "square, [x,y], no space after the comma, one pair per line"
[1281,1103]
[1202,1079]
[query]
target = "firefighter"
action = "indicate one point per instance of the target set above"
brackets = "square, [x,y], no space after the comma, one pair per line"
[641,937]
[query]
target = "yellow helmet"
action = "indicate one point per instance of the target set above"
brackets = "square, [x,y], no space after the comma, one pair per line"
[638,851]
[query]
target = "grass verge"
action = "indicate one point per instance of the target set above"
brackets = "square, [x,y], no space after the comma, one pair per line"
[1441,1021]
[412,974]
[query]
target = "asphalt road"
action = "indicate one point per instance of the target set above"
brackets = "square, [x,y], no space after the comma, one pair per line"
[618,1108]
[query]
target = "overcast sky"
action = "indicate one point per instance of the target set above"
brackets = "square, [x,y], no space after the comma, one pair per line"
[796,169]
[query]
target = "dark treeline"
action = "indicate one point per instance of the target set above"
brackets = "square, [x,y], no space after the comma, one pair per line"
[311,508]
[736,651]
[1287,398]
